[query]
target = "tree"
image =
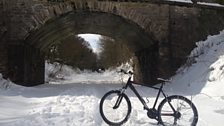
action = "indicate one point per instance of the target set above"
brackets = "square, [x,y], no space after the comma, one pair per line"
[73,51]
[114,53]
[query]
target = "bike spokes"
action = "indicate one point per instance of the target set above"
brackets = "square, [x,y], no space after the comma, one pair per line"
[178,111]
[115,108]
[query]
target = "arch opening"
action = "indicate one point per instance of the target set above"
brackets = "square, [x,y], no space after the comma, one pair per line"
[87,58]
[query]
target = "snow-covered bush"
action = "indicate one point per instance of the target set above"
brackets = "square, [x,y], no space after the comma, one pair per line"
[57,71]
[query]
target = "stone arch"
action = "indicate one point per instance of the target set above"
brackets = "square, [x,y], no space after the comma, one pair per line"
[106,24]
[102,23]
[43,12]
[35,15]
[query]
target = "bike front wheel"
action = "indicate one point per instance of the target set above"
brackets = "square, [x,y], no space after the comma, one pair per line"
[115,107]
[177,111]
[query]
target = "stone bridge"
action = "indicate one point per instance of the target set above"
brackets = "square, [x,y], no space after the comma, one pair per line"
[161,34]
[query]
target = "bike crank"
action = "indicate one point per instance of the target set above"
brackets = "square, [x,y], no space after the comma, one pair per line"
[152,113]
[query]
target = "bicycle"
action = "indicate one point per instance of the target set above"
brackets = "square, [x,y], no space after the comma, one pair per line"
[172,111]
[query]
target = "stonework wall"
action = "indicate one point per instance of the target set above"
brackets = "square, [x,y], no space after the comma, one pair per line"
[3,30]
[190,25]
[4,59]
[183,34]
[26,16]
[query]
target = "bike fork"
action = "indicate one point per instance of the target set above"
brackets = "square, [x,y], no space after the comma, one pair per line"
[118,102]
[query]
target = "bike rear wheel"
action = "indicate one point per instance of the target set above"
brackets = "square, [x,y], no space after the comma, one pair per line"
[115,107]
[177,111]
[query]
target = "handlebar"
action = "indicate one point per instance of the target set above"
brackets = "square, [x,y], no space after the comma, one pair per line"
[131,73]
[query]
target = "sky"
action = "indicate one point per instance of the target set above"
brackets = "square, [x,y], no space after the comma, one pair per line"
[93,40]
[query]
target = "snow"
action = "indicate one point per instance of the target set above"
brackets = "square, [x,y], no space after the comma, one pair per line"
[183,1]
[199,3]
[211,4]
[68,75]
[74,100]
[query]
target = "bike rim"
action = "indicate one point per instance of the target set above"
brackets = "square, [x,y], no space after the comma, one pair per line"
[184,115]
[115,115]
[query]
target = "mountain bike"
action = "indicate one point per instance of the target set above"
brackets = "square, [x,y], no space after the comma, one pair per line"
[175,110]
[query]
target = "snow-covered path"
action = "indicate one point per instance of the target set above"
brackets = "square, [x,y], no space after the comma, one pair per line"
[78,104]
[60,105]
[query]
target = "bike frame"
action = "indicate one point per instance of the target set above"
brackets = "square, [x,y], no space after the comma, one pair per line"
[130,84]
[145,106]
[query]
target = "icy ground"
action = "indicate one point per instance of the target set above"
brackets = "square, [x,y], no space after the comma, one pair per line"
[75,102]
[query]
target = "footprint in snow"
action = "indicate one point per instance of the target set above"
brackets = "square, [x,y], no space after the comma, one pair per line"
[220,111]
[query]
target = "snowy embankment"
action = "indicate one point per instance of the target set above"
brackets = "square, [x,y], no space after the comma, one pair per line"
[204,80]
[77,103]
